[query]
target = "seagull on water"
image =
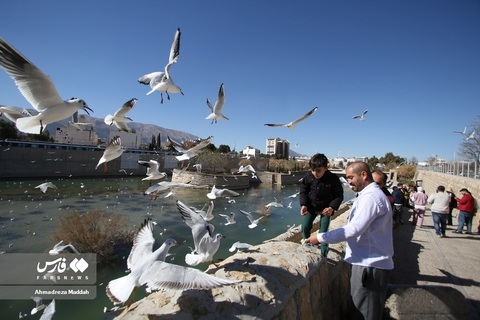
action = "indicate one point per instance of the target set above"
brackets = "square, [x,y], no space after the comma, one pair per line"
[219,193]
[253,222]
[44,186]
[119,118]
[149,267]
[38,89]
[195,150]
[60,247]
[112,151]
[162,81]
[291,125]
[152,170]
[13,113]
[362,116]
[216,110]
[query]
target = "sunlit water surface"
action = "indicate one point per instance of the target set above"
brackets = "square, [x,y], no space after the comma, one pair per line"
[28,218]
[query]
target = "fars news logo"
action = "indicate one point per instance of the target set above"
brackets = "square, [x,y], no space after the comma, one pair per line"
[65,269]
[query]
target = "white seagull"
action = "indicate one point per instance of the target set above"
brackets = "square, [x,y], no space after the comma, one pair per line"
[13,113]
[246,169]
[149,267]
[119,118]
[48,311]
[162,81]
[362,116]
[239,246]
[195,150]
[464,133]
[44,186]
[38,305]
[216,110]
[38,89]
[207,215]
[219,193]
[229,217]
[291,125]
[253,222]
[112,151]
[470,136]
[274,204]
[60,247]
[152,170]
[195,221]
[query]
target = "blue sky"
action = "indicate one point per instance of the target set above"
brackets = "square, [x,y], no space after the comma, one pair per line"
[415,65]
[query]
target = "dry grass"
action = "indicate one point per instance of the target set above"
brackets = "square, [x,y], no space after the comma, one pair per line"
[106,234]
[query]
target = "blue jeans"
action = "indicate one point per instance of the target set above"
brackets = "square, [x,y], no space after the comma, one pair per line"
[440,222]
[465,218]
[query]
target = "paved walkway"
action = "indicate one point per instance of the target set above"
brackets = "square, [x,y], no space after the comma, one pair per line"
[435,278]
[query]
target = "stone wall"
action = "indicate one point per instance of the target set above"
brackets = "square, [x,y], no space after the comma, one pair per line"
[281,279]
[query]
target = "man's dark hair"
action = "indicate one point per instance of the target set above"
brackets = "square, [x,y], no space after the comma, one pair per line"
[317,161]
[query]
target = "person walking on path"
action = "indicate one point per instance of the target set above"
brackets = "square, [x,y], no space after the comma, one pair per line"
[398,200]
[453,205]
[466,205]
[321,193]
[440,208]
[369,238]
[419,200]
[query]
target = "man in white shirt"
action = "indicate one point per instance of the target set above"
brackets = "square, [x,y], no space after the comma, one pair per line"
[369,238]
[440,202]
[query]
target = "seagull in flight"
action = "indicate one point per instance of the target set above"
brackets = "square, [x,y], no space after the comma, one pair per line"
[195,150]
[239,246]
[38,89]
[362,116]
[229,217]
[291,125]
[218,193]
[119,118]
[149,267]
[152,170]
[464,133]
[216,110]
[253,222]
[112,151]
[470,136]
[59,247]
[162,81]
[44,186]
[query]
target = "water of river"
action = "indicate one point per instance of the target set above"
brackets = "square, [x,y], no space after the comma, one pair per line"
[29,217]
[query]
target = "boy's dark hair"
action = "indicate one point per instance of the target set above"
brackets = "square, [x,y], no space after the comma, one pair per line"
[317,161]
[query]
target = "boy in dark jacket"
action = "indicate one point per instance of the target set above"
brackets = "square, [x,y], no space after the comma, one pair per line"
[321,192]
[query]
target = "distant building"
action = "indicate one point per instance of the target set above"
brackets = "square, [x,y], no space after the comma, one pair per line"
[277,146]
[251,152]
[129,140]
[75,135]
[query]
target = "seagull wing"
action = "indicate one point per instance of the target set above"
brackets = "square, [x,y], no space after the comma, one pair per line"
[49,311]
[308,114]
[227,193]
[174,53]
[142,243]
[220,100]
[125,108]
[34,85]
[166,275]
[249,216]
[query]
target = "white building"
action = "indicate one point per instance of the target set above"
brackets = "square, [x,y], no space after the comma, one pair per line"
[251,152]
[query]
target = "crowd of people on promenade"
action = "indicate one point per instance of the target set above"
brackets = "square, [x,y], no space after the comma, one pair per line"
[375,213]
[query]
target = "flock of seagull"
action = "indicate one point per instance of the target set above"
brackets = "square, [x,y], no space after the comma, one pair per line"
[467,136]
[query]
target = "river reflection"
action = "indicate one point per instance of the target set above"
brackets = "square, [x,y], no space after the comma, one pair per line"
[29,217]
